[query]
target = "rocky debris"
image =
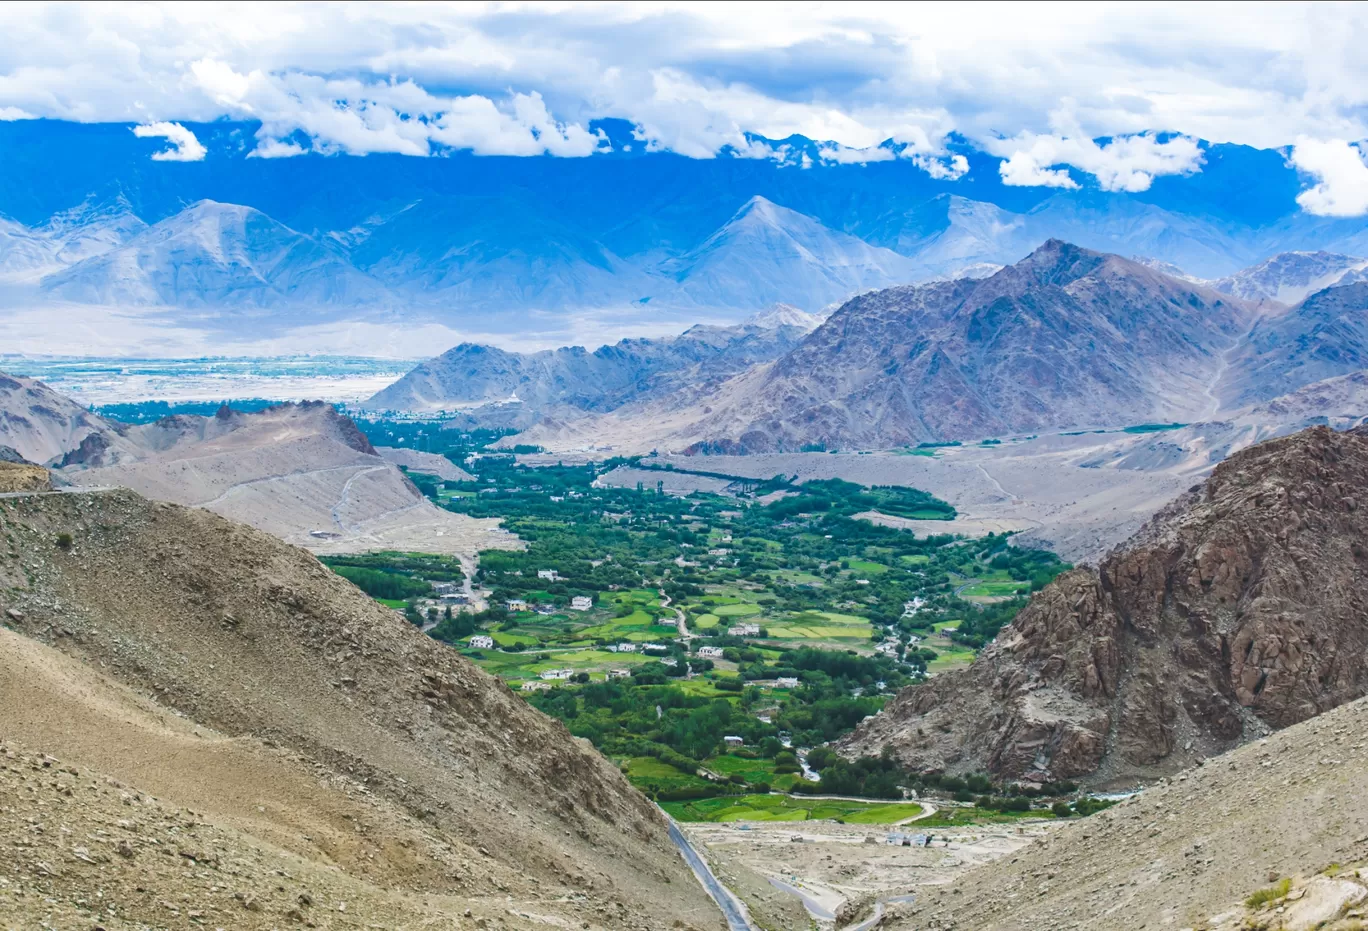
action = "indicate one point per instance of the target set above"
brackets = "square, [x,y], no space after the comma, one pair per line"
[1237,610]
[1271,836]
[219,647]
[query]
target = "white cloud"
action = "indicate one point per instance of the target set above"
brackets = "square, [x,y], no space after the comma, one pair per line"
[697,78]
[8,114]
[1340,173]
[275,148]
[184,146]
[942,167]
[1023,170]
[1126,163]
[845,155]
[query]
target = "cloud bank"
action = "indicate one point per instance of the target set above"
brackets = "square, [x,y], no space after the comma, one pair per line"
[184,146]
[1035,84]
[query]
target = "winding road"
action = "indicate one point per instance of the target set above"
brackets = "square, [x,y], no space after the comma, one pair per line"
[738,918]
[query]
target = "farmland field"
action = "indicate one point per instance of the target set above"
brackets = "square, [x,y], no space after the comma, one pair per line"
[789,808]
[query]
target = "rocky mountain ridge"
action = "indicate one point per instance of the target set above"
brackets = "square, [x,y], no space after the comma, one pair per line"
[1237,610]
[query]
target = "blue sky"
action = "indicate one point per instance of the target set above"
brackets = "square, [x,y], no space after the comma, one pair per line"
[1032,84]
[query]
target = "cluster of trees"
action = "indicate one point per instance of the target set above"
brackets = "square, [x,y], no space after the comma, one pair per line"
[379,583]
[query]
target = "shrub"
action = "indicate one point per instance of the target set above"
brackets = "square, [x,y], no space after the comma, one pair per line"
[1274,892]
[64,541]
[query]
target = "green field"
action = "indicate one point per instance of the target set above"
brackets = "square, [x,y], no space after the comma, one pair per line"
[960,817]
[863,567]
[789,808]
[704,621]
[819,625]
[996,589]
[736,610]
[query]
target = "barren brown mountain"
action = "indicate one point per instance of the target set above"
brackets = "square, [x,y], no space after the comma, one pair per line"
[204,727]
[1240,608]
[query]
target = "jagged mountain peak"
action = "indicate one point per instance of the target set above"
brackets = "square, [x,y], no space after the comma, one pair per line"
[1290,277]
[781,315]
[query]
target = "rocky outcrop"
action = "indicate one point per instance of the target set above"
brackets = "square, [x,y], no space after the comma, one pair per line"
[1240,608]
[23,477]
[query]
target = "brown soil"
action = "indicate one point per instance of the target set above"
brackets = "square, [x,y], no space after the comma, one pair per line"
[1187,853]
[213,668]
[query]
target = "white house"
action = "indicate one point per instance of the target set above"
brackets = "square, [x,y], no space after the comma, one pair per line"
[710,652]
[667,622]
[581,603]
[619,673]
[668,661]
[718,551]
[517,604]
[558,674]
[482,642]
[548,574]
[624,648]
[534,686]
[654,648]
[786,682]
[744,630]
[732,741]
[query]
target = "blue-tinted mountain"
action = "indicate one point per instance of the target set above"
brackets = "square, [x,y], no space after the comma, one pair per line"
[645,236]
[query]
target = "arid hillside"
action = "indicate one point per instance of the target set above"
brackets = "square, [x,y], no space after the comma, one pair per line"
[1239,609]
[1270,837]
[300,471]
[239,738]
[40,424]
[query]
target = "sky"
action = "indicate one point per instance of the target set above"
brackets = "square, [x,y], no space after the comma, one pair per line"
[1036,85]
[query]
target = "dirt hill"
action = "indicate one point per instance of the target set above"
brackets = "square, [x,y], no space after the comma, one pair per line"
[1191,852]
[1240,608]
[243,739]
[303,472]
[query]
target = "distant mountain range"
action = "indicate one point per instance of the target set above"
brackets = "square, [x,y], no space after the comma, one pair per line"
[630,237]
[572,381]
[1067,338]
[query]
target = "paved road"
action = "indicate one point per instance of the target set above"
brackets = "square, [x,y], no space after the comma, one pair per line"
[738,919]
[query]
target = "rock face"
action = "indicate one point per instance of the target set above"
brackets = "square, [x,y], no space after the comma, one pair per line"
[1240,608]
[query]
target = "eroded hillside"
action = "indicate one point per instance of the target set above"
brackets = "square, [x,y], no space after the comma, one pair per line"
[211,667]
[1238,609]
